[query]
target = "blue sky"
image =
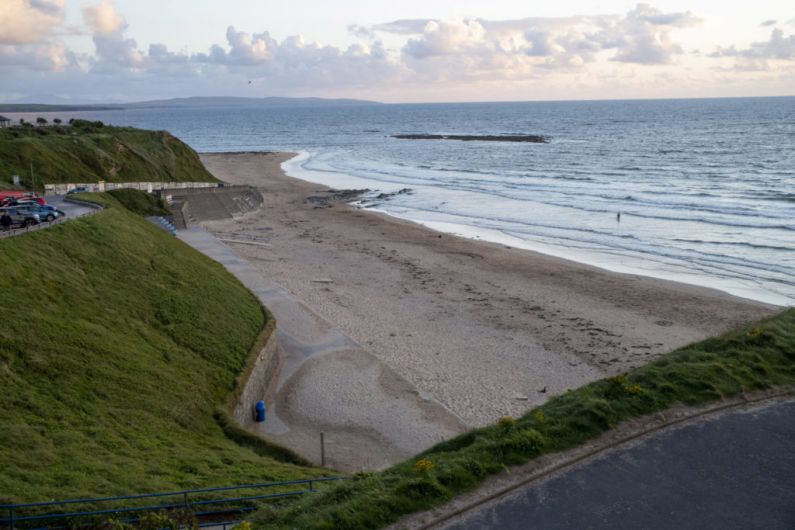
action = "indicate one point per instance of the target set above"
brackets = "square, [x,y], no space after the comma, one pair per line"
[431,50]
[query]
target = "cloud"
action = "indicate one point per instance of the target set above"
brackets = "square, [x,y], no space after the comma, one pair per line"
[54,57]
[433,57]
[27,30]
[766,23]
[644,35]
[113,49]
[293,59]
[103,18]
[778,47]
[441,38]
[521,47]
[29,21]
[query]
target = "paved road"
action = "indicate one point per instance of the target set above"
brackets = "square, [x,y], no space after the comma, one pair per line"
[733,471]
[71,209]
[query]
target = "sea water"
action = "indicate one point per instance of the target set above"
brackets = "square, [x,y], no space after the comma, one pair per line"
[705,188]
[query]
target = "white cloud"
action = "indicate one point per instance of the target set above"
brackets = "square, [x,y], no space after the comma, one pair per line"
[103,18]
[523,48]
[113,49]
[29,21]
[644,35]
[432,57]
[54,57]
[757,55]
[293,60]
[27,28]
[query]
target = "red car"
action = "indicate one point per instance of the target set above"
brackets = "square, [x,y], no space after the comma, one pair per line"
[9,197]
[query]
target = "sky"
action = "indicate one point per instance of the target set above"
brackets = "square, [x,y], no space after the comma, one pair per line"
[406,51]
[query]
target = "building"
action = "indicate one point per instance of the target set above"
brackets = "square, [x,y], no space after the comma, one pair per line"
[5,122]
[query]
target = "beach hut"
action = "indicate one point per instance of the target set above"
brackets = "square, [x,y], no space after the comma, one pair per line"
[5,122]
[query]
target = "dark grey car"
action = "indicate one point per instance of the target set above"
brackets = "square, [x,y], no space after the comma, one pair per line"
[21,217]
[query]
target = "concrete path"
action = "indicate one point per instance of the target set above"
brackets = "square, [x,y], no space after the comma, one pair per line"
[734,470]
[370,415]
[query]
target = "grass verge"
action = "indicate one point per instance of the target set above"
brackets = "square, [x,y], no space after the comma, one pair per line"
[117,344]
[90,152]
[757,357]
[141,203]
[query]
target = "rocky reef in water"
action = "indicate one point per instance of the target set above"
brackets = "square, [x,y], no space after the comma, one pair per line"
[528,138]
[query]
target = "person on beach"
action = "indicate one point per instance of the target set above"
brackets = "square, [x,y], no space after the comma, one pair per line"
[5,222]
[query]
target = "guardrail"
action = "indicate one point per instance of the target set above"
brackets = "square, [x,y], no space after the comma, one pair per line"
[198,503]
[31,228]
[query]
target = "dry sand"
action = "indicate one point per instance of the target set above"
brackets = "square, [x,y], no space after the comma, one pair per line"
[484,329]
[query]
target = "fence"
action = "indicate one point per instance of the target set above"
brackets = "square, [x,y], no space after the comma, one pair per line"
[61,189]
[205,505]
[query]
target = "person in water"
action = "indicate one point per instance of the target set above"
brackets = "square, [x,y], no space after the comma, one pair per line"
[618,217]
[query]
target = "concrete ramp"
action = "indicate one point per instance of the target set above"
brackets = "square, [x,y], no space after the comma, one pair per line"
[371,416]
[214,204]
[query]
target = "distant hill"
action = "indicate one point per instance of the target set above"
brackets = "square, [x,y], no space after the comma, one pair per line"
[43,107]
[214,101]
[47,104]
[52,99]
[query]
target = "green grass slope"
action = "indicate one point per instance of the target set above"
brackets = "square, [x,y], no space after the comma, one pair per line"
[757,357]
[117,344]
[87,152]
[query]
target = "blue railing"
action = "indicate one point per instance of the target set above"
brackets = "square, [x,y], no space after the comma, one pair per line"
[45,514]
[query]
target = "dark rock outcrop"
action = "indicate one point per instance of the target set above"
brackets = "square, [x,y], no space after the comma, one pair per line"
[529,138]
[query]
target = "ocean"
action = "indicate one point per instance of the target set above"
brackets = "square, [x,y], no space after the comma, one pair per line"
[705,188]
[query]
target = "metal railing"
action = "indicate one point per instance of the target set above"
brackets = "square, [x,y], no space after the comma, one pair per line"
[11,232]
[199,503]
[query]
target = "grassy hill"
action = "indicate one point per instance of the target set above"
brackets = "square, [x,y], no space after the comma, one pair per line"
[117,344]
[91,151]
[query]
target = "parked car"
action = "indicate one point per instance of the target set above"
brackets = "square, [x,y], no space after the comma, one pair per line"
[45,213]
[12,201]
[16,194]
[22,217]
[78,189]
[23,201]
[52,208]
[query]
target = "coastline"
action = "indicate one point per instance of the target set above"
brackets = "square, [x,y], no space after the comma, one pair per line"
[628,262]
[484,329]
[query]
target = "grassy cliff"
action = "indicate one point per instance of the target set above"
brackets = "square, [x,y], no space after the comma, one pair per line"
[91,151]
[117,344]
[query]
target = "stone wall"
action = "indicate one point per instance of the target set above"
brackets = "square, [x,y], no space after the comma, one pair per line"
[261,382]
[61,189]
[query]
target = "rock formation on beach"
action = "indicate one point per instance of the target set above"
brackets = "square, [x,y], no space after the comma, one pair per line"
[527,138]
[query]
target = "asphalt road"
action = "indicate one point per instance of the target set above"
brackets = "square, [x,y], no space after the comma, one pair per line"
[72,210]
[735,470]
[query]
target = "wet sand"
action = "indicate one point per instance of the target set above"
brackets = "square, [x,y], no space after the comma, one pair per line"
[484,329]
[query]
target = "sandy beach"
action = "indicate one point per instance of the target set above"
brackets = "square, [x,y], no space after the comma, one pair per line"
[484,329]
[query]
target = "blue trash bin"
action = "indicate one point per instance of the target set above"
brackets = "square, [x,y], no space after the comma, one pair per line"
[260,411]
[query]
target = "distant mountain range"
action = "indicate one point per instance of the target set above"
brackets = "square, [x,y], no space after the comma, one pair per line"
[56,104]
[213,101]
